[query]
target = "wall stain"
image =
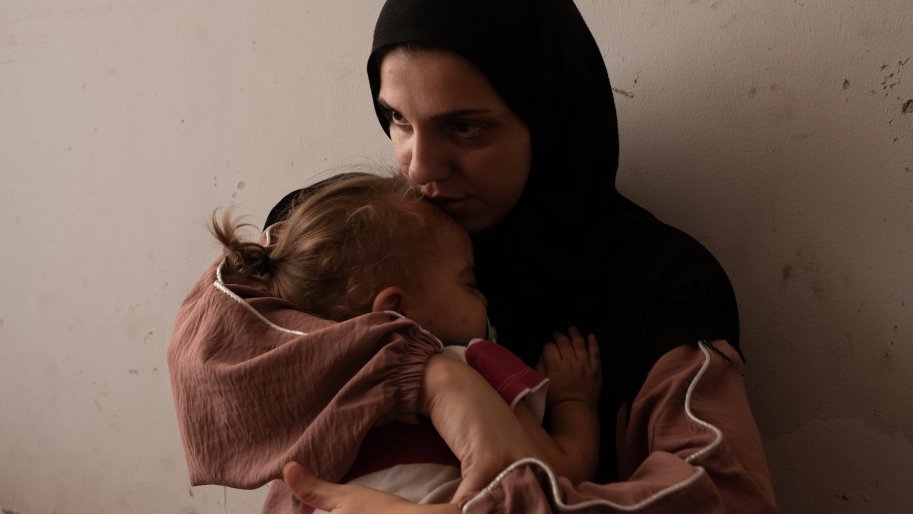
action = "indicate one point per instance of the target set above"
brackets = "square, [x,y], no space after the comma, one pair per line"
[892,76]
[817,282]
[907,107]
[785,101]
[238,188]
[622,92]
[133,371]
[786,272]
[846,83]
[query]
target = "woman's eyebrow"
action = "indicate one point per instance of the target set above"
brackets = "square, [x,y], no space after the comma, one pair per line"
[456,113]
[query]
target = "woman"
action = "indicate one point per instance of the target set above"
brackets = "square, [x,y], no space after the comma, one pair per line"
[502,112]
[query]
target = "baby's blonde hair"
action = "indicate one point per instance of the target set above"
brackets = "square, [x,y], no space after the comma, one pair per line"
[344,240]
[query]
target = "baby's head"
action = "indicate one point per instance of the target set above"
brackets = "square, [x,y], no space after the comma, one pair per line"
[358,243]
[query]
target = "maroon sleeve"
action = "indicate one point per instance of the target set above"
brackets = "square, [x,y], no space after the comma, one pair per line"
[506,373]
[690,445]
[257,383]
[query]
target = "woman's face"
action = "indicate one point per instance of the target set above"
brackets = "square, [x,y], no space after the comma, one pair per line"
[453,135]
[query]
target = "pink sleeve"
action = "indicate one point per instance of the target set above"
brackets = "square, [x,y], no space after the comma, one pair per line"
[690,445]
[257,383]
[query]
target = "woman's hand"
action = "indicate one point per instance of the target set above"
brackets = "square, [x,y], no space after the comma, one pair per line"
[474,421]
[352,499]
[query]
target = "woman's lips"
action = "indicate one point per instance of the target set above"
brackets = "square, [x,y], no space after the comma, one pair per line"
[451,204]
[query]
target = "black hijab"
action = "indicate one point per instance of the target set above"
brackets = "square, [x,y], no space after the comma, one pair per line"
[544,63]
[573,251]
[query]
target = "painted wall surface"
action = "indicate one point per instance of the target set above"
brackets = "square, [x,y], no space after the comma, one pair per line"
[779,133]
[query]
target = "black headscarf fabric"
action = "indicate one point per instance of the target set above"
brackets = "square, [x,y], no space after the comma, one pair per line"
[546,66]
[573,251]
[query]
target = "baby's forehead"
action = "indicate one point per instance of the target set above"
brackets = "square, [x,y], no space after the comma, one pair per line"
[435,216]
[437,221]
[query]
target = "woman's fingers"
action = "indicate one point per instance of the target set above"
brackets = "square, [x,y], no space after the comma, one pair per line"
[308,488]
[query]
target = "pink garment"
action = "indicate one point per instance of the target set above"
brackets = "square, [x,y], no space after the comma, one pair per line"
[233,358]
[689,446]
[257,383]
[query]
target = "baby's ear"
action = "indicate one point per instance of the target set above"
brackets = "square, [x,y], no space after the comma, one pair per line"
[388,299]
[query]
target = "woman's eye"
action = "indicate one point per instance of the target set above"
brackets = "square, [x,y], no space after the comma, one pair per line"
[465,129]
[396,118]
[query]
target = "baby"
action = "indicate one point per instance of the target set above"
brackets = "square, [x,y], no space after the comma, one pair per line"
[362,243]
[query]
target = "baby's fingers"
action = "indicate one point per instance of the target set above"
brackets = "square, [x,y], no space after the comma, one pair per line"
[564,345]
[550,355]
[595,356]
[540,366]
[579,345]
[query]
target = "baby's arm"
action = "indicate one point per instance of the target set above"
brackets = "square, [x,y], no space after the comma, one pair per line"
[574,369]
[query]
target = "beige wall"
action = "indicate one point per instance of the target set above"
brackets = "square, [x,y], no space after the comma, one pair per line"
[773,131]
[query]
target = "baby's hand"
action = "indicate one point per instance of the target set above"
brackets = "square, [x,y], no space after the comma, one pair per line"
[573,367]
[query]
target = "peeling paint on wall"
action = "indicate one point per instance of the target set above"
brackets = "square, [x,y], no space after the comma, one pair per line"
[622,92]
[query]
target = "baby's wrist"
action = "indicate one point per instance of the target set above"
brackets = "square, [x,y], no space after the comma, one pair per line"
[571,400]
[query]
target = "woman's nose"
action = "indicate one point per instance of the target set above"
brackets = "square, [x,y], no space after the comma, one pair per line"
[428,161]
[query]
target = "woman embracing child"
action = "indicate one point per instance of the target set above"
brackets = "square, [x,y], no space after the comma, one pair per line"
[361,261]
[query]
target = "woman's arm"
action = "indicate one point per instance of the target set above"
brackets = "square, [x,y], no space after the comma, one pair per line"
[690,443]
[471,417]
[474,421]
